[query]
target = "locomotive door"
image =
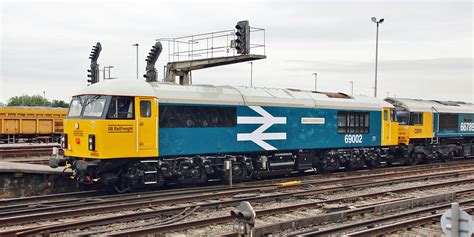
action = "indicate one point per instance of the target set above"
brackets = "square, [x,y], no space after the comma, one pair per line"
[147,125]
[386,127]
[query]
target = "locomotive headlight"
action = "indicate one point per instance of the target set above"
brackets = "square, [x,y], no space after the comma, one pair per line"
[64,141]
[91,142]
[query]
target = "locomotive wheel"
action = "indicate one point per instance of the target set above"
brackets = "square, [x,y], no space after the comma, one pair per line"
[197,176]
[203,177]
[448,157]
[121,186]
[414,159]
[374,162]
[121,189]
[329,164]
[239,173]
[354,163]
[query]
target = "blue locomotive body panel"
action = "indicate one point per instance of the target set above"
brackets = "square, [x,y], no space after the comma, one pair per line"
[464,128]
[268,128]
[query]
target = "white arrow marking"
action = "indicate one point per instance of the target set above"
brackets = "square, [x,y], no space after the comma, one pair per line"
[258,136]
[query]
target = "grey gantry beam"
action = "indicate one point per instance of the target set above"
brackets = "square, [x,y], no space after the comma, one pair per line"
[183,68]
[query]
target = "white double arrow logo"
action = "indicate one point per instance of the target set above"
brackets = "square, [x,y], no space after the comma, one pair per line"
[258,136]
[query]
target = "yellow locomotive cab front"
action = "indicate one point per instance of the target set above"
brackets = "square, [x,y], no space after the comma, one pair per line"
[106,127]
[100,128]
[415,126]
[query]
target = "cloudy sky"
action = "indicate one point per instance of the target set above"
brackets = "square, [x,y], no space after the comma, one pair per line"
[425,47]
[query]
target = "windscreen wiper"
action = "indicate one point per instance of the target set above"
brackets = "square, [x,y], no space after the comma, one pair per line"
[92,100]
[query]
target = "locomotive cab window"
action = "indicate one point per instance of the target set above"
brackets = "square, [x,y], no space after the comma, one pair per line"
[393,115]
[353,122]
[145,109]
[75,108]
[87,106]
[416,118]
[94,107]
[121,108]
[403,117]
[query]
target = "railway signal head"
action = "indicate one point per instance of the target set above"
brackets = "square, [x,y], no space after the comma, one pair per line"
[242,41]
[245,218]
[93,73]
[151,60]
[154,53]
[95,52]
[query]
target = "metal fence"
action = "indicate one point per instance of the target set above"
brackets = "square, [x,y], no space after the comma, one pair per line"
[211,45]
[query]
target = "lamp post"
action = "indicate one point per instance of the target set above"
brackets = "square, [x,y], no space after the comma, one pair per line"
[352,87]
[251,74]
[136,45]
[378,22]
[315,81]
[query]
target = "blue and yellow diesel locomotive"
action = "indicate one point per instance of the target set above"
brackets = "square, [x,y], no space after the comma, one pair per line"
[131,133]
[434,130]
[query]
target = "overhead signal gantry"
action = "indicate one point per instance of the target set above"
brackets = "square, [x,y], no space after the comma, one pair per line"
[213,49]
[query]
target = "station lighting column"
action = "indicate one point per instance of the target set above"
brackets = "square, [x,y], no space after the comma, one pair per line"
[378,22]
[315,81]
[44,97]
[251,74]
[136,45]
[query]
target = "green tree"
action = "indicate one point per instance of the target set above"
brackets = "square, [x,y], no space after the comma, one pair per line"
[26,100]
[59,103]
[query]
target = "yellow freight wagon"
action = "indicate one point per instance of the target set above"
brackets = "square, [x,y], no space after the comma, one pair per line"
[31,123]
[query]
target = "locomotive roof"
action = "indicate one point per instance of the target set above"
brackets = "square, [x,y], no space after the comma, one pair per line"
[232,95]
[418,105]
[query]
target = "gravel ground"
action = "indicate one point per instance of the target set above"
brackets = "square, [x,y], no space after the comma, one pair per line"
[434,228]
[216,229]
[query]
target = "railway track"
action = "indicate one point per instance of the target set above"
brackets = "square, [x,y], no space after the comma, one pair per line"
[166,208]
[25,204]
[324,178]
[265,213]
[406,221]
[391,223]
